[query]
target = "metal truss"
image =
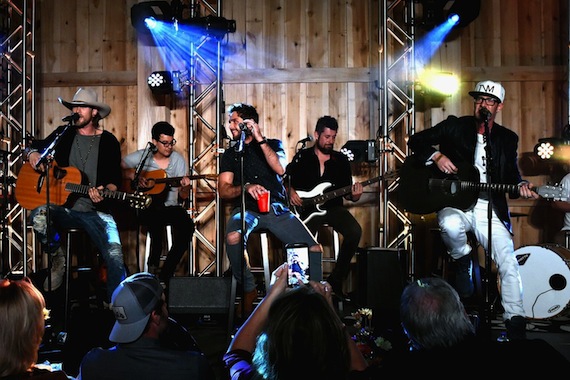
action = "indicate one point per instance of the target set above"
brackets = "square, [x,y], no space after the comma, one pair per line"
[206,143]
[397,116]
[17,113]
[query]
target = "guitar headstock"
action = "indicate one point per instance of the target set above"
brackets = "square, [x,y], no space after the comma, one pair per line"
[557,193]
[140,200]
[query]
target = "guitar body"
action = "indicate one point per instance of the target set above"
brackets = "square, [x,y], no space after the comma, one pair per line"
[425,189]
[31,186]
[309,208]
[154,178]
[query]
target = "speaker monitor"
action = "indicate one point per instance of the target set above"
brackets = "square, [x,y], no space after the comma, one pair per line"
[201,295]
[380,279]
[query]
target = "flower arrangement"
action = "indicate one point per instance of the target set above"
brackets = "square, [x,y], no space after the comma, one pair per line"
[370,346]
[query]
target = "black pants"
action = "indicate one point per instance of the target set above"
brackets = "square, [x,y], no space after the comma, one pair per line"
[344,223]
[155,219]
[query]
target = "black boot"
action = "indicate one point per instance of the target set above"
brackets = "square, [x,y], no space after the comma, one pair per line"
[516,328]
[463,280]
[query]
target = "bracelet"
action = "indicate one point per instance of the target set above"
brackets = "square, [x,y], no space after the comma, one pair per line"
[264,141]
[438,158]
[29,153]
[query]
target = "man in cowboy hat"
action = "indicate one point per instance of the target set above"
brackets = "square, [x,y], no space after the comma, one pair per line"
[96,153]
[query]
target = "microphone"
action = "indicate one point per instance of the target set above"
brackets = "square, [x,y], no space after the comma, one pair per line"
[485,114]
[152,147]
[307,139]
[242,126]
[73,117]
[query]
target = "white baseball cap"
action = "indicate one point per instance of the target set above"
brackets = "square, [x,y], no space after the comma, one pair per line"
[489,87]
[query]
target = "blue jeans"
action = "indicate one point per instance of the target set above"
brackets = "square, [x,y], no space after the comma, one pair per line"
[101,228]
[286,227]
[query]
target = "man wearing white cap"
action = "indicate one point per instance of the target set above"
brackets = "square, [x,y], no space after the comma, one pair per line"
[96,153]
[140,328]
[469,139]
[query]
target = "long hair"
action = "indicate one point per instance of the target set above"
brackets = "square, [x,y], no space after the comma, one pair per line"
[432,314]
[303,339]
[22,325]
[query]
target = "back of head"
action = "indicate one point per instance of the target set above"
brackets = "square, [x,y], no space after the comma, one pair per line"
[22,324]
[132,303]
[303,339]
[432,314]
[162,128]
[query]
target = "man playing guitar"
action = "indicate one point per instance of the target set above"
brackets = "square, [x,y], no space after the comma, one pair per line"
[316,165]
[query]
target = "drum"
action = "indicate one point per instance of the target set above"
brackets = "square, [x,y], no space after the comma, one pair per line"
[545,275]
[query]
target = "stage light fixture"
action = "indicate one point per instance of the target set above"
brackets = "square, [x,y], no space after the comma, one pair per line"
[166,82]
[459,12]
[438,82]
[360,150]
[146,14]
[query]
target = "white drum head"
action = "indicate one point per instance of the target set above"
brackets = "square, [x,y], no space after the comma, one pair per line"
[545,279]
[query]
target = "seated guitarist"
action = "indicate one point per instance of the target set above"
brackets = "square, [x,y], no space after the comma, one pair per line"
[83,145]
[166,207]
[316,165]
[465,140]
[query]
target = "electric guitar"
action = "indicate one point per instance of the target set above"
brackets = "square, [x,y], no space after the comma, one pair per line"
[31,188]
[425,189]
[157,180]
[313,199]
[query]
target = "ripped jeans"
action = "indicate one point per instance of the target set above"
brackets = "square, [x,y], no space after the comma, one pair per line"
[101,228]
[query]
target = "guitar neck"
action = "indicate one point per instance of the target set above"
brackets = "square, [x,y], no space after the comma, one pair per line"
[469,185]
[338,192]
[139,201]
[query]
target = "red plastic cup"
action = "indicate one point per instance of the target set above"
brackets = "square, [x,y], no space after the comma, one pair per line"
[263,201]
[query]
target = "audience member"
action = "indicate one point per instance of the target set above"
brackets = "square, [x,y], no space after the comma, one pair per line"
[142,352]
[22,323]
[166,207]
[264,164]
[96,154]
[294,333]
[440,331]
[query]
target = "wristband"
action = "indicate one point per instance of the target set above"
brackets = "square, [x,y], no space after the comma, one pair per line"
[438,158]
[264,141]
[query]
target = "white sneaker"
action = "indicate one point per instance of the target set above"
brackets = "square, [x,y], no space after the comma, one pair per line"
[57,270]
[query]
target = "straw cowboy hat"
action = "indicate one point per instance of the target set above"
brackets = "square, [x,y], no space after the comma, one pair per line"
[85,97]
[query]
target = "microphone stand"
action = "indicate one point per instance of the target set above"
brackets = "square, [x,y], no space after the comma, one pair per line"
[136,188]
[47,158]
[488,253]
[239,148]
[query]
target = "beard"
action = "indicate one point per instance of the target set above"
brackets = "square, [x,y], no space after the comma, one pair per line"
[325,149]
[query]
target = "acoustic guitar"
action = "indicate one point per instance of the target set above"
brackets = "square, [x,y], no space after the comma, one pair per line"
[31,188]
[425,189]
[157,180]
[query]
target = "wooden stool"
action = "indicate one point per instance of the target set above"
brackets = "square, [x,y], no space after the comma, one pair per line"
[264,248]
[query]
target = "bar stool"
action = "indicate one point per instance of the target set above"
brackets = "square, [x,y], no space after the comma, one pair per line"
[168,229]
[264,248]
[330,243]
[81,268]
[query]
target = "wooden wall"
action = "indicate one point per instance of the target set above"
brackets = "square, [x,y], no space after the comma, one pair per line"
[297,60]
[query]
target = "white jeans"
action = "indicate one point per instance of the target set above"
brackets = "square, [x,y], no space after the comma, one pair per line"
[454,225]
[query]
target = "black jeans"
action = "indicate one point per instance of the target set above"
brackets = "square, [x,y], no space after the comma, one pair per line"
[344,223]
[155,219]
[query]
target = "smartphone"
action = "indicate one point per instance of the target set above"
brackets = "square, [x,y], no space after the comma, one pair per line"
[298,264]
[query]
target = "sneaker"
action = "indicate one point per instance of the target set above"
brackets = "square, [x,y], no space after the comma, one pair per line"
[57,270]
[463,281]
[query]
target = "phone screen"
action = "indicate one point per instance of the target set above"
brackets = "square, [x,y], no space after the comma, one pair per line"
[298,263]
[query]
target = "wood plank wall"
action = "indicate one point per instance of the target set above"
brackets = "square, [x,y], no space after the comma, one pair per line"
[297,60]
